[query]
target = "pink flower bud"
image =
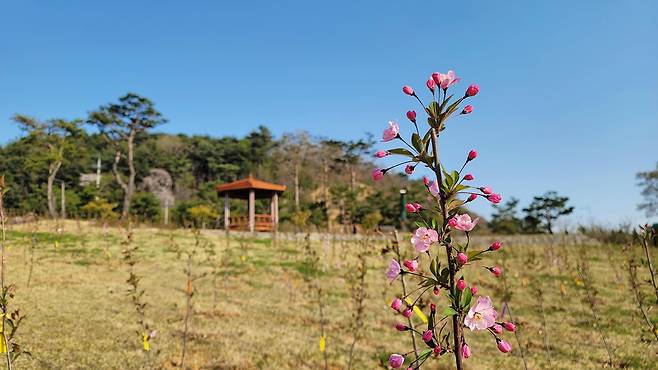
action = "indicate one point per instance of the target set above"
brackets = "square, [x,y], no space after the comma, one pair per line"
[411,265]
[395,360]
[408,90]
[407,312]
[467,109]
[494,198]
[462,258]
[471,198]
[468,177]
[461,284]
[437,350]
[382,154]
[432,307]
[486,190]
[411,115]
[436,77]
[436,290]
[495,245]
[509,326]
[426,181]
[504,347]
[427,335]
[396,304]
[472,90]
[411,208]
[418,206]
[452,222]
[431,84]
[474,290]
[377,174]
[400,326]
[497,329]
[409,169]
[497,271]
[472,155]
[466,351]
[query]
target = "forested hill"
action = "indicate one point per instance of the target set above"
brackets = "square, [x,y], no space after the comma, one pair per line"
[333,176]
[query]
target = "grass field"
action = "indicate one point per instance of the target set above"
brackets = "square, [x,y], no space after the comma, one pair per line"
[255,309]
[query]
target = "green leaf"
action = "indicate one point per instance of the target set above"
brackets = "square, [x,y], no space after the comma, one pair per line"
[416,142]
[467,295]
[449,311]
[401,151]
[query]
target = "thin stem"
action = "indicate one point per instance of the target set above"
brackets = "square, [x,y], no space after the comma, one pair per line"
[645,244]
[451,263]
[410,324]
[3,239]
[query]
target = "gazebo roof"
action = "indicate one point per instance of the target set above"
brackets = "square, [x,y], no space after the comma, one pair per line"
[250,183]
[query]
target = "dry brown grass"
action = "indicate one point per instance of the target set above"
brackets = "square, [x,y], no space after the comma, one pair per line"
[259,314]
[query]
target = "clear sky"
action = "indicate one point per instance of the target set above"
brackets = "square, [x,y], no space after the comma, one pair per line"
[568,100]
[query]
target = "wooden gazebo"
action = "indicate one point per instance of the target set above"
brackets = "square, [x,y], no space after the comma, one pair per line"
[251,189]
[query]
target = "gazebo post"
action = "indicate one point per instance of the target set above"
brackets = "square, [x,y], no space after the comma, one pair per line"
[227,211]
[252,210]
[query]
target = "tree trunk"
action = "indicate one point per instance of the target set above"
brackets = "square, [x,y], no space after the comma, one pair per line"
[117,176]
[52,172]
[297,186]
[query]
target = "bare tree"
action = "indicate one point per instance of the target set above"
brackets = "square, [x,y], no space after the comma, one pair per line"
[120,124]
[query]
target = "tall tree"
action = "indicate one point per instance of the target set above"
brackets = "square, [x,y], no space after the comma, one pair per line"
[53,134]
[544,210]
[649,182]
[504,220]
[121,123]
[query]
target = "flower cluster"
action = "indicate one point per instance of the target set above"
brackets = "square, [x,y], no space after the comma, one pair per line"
[433,240]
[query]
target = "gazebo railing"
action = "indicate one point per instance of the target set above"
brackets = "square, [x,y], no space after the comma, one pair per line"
[262,222]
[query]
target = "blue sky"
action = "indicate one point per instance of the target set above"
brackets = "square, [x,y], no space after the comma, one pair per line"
[568,97]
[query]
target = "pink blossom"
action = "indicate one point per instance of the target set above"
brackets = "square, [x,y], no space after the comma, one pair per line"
[391,132]
[472,90]
[497,329]
[382,154]
[411,115]
[471,198]
[396,304]
[461,284]
[411,265]
[463,222]
[400,326]
[468,177]
[462,258]
[426,181]
[393,270]
[434,188]
[427,335]
[408,90]
[503,346]
[445,80]
[481,316]
[377,174]
[407,312]
[509,326]
[497,271]
[395,360]
[467,109]
[495,245]
[495,198]
[409,169]
[474,290]
[472,155]
[431,84]
[423,237]
[466,351]
[486,190]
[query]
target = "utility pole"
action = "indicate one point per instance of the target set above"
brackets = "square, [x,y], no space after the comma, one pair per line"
[62,206]
[98,173]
